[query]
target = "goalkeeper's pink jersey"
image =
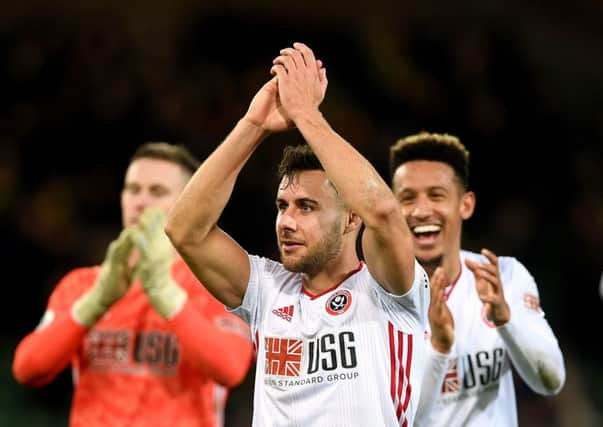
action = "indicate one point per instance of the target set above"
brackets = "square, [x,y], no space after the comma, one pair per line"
[133,368]
[351,356]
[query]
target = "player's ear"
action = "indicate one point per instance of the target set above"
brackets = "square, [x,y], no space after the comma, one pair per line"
[467,204]
[353,222]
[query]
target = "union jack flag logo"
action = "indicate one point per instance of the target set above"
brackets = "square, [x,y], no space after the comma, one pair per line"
[451,380]
[283,356]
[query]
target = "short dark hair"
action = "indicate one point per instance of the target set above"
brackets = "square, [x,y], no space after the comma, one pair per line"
[174,153]
[431,146]
[297,158]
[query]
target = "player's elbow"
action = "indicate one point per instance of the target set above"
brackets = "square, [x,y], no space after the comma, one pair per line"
[180,234]
[237,368]
[27,373]
[175,232]
[233,377]
[551,379]
[20,375]
[386,210]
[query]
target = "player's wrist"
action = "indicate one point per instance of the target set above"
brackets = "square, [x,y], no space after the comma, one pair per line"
[154,273]
[442,344]
[500,315]
[88,308]
[168,299]
[306,116]
[252,126]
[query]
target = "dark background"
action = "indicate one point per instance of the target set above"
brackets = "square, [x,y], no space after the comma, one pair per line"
[520,82]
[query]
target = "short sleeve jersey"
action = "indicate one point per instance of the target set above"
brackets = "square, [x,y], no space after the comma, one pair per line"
[351,356]
[478,386]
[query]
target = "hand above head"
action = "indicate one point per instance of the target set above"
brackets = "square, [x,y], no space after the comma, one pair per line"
[265,110]
[440,317]
[112,282]
[154,266]
[490,289]
[302,81]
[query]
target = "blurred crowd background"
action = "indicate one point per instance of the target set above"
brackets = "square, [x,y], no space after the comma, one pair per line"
[520,82]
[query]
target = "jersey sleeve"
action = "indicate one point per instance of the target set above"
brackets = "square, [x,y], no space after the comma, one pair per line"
[263,274]
[415,301]
[252,299]
[436,365]
[531,343]
[47,350]
[214,340]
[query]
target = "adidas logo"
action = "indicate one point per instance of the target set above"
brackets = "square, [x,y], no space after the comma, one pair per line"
[284,312]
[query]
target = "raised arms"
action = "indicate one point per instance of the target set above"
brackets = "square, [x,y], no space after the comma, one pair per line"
[387,243]
[215,258]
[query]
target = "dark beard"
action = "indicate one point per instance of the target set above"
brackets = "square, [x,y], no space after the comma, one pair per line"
[314,262]
[431,264]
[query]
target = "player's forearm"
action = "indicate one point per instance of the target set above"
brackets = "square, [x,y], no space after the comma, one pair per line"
[201,203]
[535,353]
[358,183]
[387,242]
[44,353]
[436,364]
[221,354]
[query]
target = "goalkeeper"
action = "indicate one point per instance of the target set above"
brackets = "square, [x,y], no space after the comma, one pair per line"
[148,345]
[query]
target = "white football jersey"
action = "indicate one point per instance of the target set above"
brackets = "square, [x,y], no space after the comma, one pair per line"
[351,356]
[478,385]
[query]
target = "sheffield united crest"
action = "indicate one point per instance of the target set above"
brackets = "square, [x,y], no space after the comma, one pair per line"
[339,302]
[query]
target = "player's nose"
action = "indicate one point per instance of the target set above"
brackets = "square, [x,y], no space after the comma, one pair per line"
[142,201]
[286,222]
[422,208]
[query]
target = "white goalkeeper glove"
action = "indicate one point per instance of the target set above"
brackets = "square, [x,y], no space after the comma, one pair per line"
[112,283]
[154,267]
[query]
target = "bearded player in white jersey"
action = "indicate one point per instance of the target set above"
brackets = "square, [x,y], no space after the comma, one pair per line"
[339,342]
[485,314]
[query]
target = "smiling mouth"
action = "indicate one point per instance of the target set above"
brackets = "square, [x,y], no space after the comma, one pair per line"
[426,232]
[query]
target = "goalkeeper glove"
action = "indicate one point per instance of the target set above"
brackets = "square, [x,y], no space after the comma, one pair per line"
[112,283]
[154,267]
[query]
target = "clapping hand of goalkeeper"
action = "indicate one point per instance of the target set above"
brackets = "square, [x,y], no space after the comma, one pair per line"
[112,283]
[153,268]
[154,265]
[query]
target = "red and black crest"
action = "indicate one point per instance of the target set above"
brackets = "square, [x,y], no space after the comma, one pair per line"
[339,302]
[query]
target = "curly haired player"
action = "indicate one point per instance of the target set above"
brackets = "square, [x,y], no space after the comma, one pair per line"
[484,313]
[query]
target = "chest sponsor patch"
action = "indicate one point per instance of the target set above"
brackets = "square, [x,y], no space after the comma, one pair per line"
[325,354]
[451,380]
[283,356]
[474,371]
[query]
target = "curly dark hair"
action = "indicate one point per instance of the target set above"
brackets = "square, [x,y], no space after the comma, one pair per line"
[432,146]
[297,158]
